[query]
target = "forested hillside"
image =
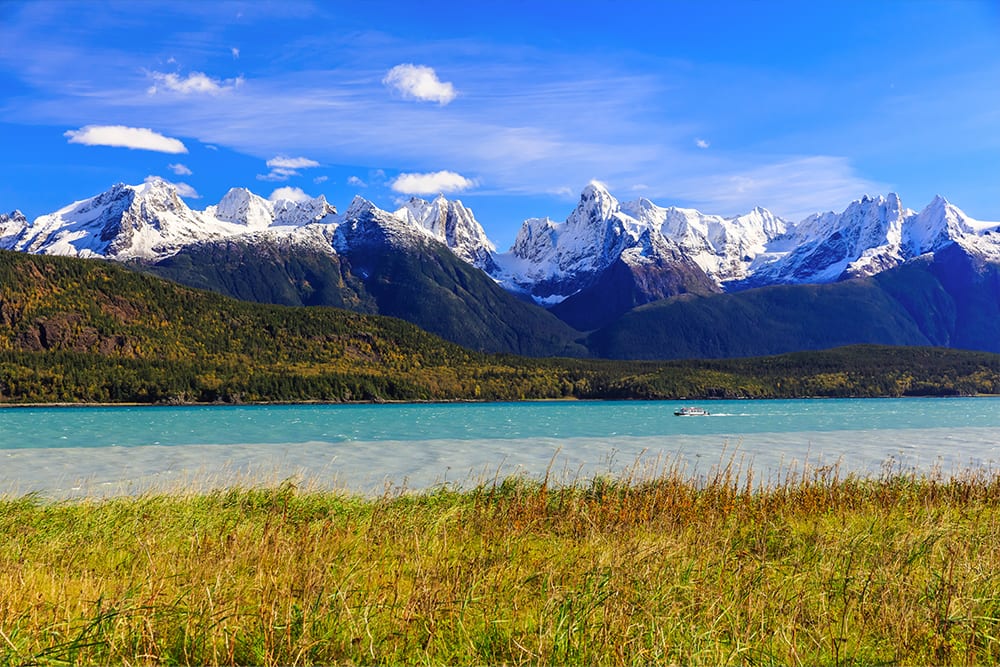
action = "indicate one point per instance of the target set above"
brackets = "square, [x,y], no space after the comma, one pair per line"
[429,287]
[76,330]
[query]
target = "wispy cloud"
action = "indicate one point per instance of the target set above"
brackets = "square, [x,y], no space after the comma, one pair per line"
[283,168]
[277,175]
[236,53]
[793,188]
[431,183]
[356,182]
[701,143]
[419,82]
[195,83]
[121,136]
[179,169]
[281,162]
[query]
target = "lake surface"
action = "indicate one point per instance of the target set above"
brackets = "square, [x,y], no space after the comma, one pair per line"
[65,452]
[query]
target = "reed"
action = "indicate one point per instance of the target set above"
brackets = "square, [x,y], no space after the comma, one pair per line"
[814,568]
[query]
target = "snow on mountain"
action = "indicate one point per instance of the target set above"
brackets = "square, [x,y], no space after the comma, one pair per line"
[243,207]
[871,235]
[12,225]
[151,222]
[941,222]
[125,222]
[366,225]
[454,225]
[304,212]
[723,247]
[553,260]
[549,260]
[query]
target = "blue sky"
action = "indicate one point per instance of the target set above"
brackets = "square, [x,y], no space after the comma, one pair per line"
[512,107]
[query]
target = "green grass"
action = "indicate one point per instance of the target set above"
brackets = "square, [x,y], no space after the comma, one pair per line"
[815,569]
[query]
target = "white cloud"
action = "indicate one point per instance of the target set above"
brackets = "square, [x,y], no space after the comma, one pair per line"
[180,169]
[356,182]
[701,143]
[424,184]
[321,179]
[289,193]
[194,83]
[277,175]
[183,189]
[236,53]
[283,168]
[419,82]
[139,138]
[282,162]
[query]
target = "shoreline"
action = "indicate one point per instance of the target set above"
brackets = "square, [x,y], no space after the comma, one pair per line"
[565,399]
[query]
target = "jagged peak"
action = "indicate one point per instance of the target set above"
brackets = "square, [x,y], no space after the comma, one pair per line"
[594,188]
[161,192]
[939,202]
[13,215]
[595,191]
[360,207]
[155,183]
[596,205]
[238,193]
[241,206]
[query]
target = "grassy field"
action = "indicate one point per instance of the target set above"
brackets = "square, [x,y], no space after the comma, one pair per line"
[814,570]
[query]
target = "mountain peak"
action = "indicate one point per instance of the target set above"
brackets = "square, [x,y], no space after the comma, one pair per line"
[154,183]
[242,207]
[13,215]
[451,223]
[596,205]
[360,207]
[595,188]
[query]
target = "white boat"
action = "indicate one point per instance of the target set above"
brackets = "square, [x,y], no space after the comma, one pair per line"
[691,412]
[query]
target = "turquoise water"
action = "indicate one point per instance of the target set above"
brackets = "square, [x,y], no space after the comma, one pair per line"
[364,448]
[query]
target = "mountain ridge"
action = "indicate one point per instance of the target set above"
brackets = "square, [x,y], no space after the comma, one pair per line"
[548,261]
[566,288]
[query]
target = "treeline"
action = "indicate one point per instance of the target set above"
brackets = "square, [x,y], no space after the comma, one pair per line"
[852,371]
[84,331]
[864,371]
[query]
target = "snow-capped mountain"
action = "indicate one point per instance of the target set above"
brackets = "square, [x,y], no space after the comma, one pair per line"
[454,225]
[364,224]
[150,222]
[664,250]
[551,261]
[871,235]
[11,225]
[722,247]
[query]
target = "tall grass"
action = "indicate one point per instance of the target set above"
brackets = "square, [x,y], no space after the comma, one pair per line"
[815,569]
